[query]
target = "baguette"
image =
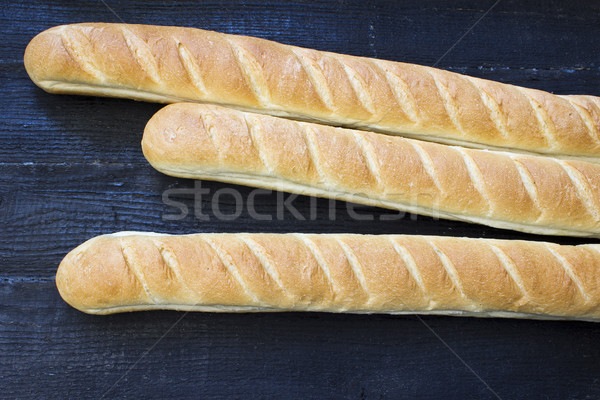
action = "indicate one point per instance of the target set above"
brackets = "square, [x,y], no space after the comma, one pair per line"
[393,274]
[521,192]
[171,64]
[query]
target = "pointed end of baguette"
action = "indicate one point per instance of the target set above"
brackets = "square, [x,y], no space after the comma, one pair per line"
[177,135]
[154,141]
[45,54]
[34,54]
[94,277]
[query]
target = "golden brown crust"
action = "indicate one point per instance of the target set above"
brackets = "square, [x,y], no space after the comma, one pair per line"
[170,64]
[336,273]
[529,193]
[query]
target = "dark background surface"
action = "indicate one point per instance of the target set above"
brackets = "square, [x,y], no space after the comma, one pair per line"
[72,168]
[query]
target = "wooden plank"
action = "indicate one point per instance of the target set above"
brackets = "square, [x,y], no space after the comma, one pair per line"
[49,348]
[49,209]
[537,36]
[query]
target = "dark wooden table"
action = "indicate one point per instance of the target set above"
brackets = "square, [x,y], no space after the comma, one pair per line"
[71,168]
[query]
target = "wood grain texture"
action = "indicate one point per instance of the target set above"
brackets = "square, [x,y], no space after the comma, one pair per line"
[74,202]
[71,168]
[299,355]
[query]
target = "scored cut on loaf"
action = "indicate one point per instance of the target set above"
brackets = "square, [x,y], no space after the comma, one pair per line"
[522,192]
[171,64]
[394,274]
